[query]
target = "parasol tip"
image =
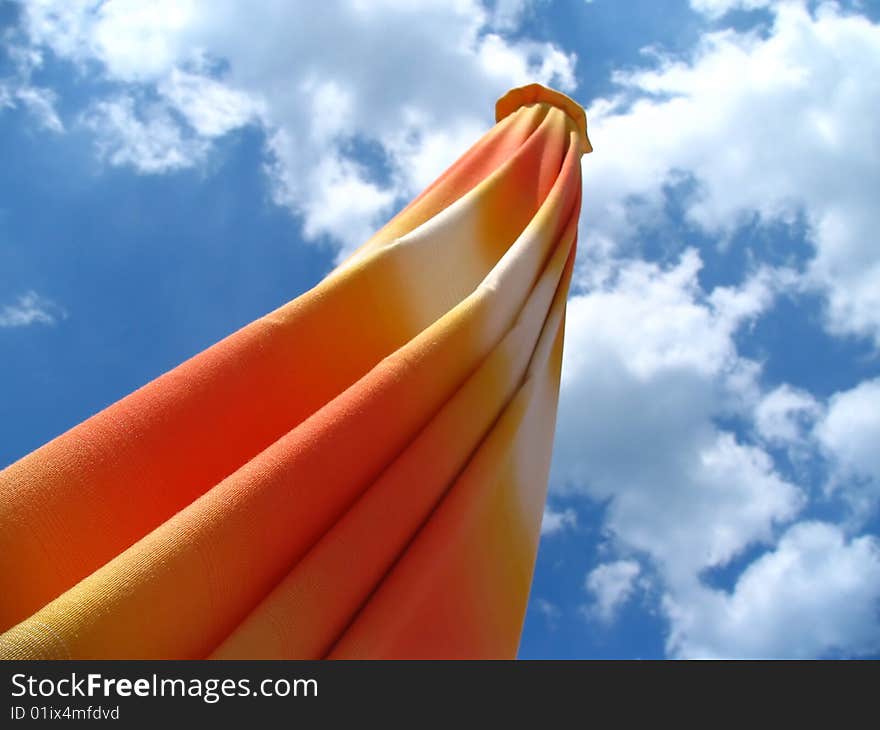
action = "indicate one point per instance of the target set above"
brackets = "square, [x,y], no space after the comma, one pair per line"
[536,93]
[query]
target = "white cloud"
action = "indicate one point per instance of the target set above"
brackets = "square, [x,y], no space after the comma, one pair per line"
[149,140]
[507,14]
[650,365]
[211,108]
[30,308]
[612,585]
[718,8]
[851,430]
[318,79]
[772,125]
[335,196]
[17,89]
[850,434]
[555,521]
[816,594]
[784,415]
[40,103]
[550,611]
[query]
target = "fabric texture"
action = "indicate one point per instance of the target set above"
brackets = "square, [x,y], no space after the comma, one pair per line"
[358,474]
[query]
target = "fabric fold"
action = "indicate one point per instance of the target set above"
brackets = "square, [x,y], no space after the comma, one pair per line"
[327,587]
[234,507]
[471,603]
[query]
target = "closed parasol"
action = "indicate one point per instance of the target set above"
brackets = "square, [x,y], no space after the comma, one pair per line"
[358,474]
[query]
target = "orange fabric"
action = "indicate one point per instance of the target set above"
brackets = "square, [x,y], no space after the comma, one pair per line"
[305,487]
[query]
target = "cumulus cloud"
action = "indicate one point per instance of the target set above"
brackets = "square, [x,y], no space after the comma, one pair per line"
[784,415]
[17,89]
[612,585]
[764,129]
[30,308]
[768,127]
[417,101]
[850,433]
[816,594]
[211,108]
[555,521]
[718,8]
[40,103]
[149,139]
[650,366]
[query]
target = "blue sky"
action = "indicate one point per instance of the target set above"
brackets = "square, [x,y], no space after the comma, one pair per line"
[167,179]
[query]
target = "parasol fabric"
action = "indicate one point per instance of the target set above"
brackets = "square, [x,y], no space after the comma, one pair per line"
[358,474]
